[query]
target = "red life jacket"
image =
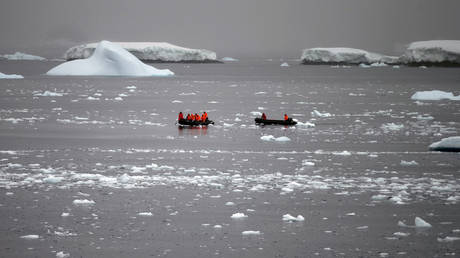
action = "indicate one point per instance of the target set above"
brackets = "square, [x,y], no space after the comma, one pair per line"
[181,116]
[286,117]
[264,117]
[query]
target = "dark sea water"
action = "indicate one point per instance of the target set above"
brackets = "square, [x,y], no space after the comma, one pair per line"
[353,176]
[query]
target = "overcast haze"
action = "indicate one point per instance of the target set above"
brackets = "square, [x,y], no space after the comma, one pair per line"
[240,28]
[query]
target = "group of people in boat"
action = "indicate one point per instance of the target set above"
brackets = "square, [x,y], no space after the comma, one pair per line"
[264,117]
[194,117]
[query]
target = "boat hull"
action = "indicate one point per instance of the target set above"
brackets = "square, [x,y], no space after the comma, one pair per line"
[275,122]
[184,122]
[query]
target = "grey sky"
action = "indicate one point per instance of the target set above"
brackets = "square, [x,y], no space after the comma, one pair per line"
[256,28]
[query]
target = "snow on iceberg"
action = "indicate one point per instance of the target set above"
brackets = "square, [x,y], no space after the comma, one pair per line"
[22,56]
[344,56]
[433,52]
[108,59]
[11,76]
[289,218]
[149,51]
[449,144]
[434,95]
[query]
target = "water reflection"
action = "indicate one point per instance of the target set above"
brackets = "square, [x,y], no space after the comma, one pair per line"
[192,131]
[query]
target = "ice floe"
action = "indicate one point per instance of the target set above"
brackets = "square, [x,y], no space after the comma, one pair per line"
[22,56]
[229,59]
[108,59]
[276,139]
[83,202]
[145,214]
[30,237]
[239,215]
[250,232]
[289,218]
[284,64]
[61,254]
[316,113]
[11,76]
[434,95]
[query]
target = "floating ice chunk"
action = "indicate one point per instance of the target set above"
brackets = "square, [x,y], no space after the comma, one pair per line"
[447,144]
[65,214]
[305,124]
[229,59]
[401,234]
[316,113]
[132,87]
[145,214]
[282,139]
[11,76]
[256,113]
[391,127]
[108,59]
[61,254]
[239,215]
[420,223]
[217,226]
[229,204]
[30,237]
[288,217]
[307,163]
[22,56]
[284,64]
[409,163]
[267,138]
[362,227]
[448,239]
[434,95]
[351,214]
[341,153]
[49,94]
[53,179]
[83,202]
[250,232]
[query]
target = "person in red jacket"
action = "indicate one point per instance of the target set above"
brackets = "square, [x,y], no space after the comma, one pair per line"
[264,117]
[204,117]
[188,117]
[181,116]
[286,117]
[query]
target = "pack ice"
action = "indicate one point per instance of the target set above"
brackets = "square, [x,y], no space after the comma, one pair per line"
[149,51]
[109,59]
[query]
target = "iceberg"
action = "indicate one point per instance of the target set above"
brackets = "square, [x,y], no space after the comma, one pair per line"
[11,76]
[433,52]
[449,144]
[22,56]
[149,52]
[108,59]
[344,56]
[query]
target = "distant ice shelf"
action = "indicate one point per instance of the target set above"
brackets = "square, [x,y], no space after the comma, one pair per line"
[420,53]
[149,52]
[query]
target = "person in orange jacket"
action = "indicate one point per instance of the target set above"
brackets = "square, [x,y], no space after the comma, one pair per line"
[188,117]
[197,117]
[204,117]
[264,117]
[286,117]
[181,116]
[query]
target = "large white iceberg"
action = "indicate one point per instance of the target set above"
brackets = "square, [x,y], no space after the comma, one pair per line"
[433,52]
[108,59]
[149,51]
[434,95]
[343,55]
[22,56]
[450,144]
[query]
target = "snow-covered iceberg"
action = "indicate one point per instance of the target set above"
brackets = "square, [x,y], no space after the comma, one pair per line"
[449,144]
[22,56]
[344,56]
[11,76]
[149,52]
[433,52]
[108,59]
